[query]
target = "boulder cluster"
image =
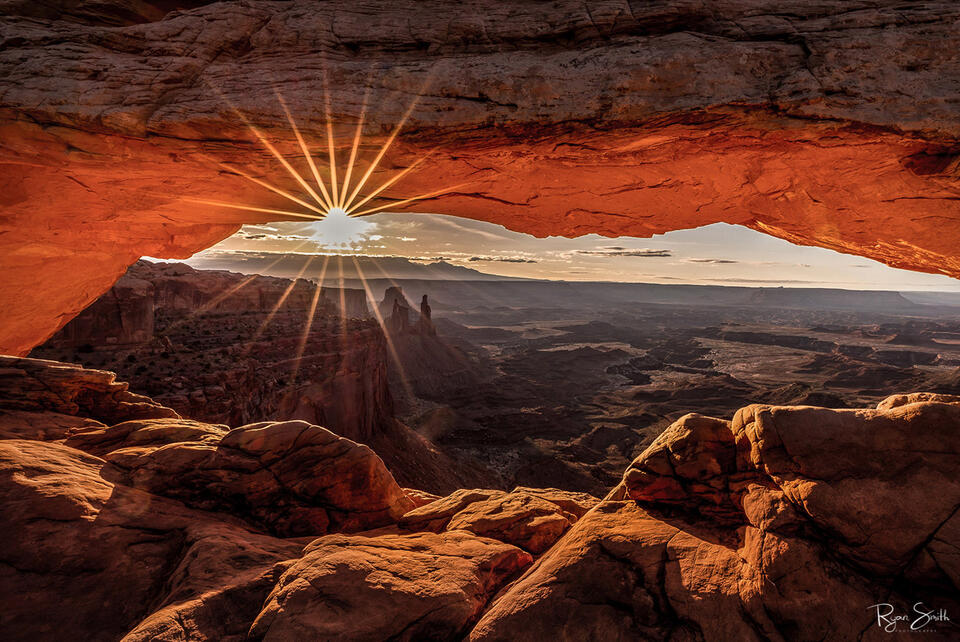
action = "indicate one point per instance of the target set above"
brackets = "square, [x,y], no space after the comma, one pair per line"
[126,521]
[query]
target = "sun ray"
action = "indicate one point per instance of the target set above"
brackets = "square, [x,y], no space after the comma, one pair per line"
[374,210]
[250,208]
[302,346]
[273,150]
[387,184]
[286,165]
[226,294]
[353,150]
[276,308]
[331,150]
[380,154]
[327,202]
[270,187]
[386,332]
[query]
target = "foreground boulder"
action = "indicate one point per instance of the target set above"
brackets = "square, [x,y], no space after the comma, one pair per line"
[90,559]
[105,561]
[880,484]
[531,518]
[788,523]
[524,520]
[46,399]
[290,477]
[390,587]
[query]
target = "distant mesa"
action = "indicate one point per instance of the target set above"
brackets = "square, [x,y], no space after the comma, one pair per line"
[350,302]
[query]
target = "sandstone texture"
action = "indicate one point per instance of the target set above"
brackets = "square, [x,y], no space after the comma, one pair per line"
[741,530]
[393,587]
[291,477]
[784,523]
[35,385]
[105,561]
[830,123]
[531,518]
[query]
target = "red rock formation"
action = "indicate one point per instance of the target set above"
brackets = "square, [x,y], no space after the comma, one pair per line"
[350,302]
[391,587]
[290,477]
[531,518]
[785,523]
[100,559]
[34,385]
[822,123]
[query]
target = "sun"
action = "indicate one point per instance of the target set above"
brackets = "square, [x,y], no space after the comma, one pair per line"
[339,229]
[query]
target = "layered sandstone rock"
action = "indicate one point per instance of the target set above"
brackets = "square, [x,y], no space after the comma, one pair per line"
[436,515]
[742,530]
[292,477]
[531,518]
[36,385]
[527,521]
[830,123]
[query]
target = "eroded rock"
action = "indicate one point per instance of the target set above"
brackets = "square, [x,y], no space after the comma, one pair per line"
[397,587]
[743,529]
[292,477]
[436,515]
[521,519]
[95,559]
[621,119]
[36,385]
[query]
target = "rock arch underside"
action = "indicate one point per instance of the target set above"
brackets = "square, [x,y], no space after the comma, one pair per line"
[831,123]
[824,122]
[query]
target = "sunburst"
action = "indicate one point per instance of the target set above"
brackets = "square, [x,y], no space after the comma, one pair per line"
[333,201]
[334,205]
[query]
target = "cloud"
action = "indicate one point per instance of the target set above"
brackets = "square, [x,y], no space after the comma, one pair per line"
[503,259]
[622,251]
[263,236]
[714,261]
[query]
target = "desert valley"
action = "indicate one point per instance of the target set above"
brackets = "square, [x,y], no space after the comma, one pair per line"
[521,383]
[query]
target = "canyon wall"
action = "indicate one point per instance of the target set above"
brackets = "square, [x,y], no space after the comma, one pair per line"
[220,347]
[230,348]
[831,123]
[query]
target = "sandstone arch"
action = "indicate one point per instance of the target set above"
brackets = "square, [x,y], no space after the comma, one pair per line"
[833,123]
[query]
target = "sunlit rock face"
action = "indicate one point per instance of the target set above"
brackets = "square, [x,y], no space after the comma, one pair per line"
[829,123]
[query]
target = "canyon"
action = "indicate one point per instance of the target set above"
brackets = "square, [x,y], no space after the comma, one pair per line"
[206,455]
[517,383]
[228,348]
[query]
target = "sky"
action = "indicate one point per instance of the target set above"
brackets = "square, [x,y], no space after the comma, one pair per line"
[718,254]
